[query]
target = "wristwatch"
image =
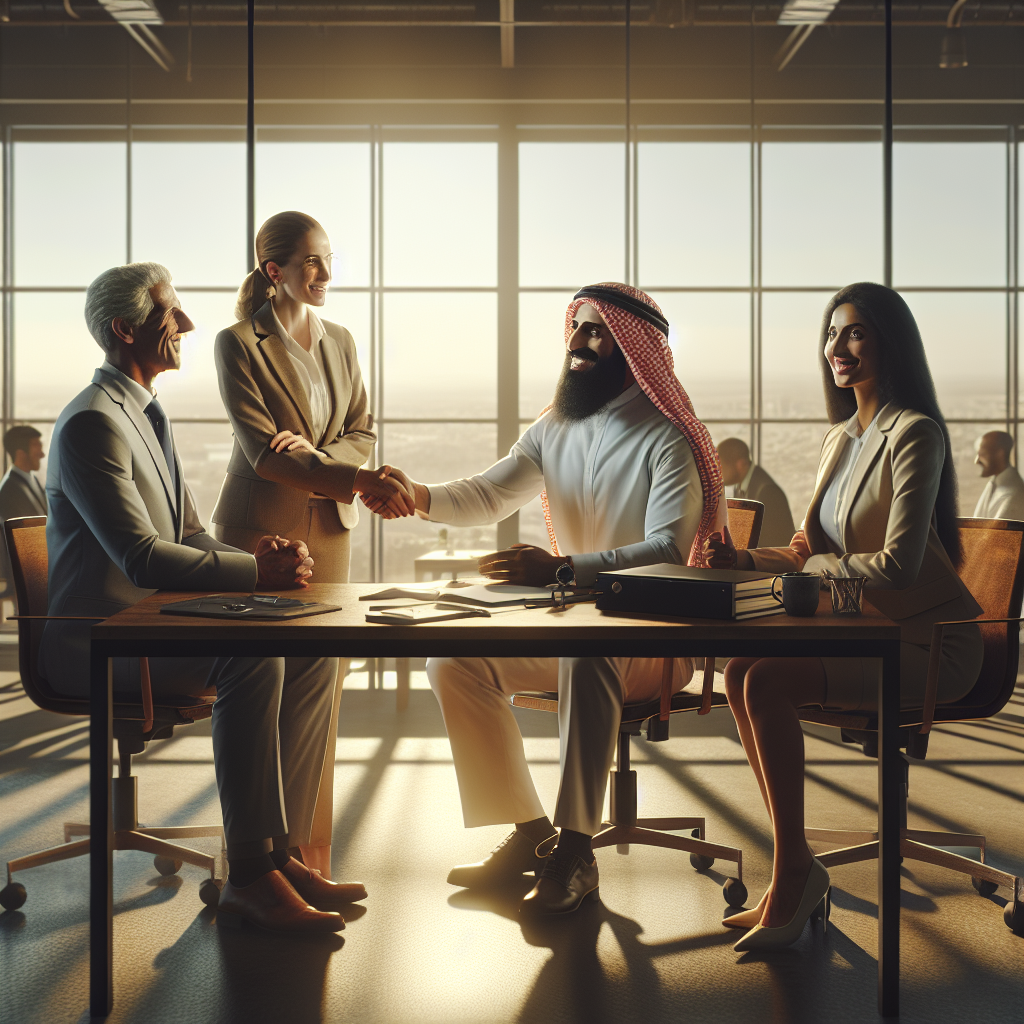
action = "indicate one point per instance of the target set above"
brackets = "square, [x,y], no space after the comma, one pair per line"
[566,575]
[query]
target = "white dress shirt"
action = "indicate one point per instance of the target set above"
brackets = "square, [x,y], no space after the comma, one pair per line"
[836,498]
[1003,497]
[622,485]
[310,368]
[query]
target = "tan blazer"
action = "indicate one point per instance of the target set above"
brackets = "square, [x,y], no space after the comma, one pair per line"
[266,490]
[888,526]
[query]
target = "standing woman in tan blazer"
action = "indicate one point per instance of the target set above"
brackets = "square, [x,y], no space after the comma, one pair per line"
[884,507]
[294,395]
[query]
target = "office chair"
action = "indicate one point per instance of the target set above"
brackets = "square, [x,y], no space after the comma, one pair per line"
[137,720]
[993,570]
[624,827]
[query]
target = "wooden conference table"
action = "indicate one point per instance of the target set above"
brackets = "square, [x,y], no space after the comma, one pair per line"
[579,631]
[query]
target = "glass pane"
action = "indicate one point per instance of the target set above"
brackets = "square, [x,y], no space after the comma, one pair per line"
[571,213]
[193,390]
[532,529]
[710,338]
[809,237]
[949,213]
[440,354]
[339,173]
[694,213]
[54,353]
[69,211]
[965,340]
[188,210]
[964,439]
[204,449]
[790,374]
[434,452]
[440,213]
[789,452]
[541,348]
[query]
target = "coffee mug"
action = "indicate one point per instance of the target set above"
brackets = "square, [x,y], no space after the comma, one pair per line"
[799,592]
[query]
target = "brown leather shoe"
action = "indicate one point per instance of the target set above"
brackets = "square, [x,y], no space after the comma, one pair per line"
[318,891]
[562,886]
[271,902]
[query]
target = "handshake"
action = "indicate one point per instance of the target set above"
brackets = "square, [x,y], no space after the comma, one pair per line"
[389,493]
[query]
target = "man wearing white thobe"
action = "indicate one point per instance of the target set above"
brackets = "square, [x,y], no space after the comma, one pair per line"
[623,489]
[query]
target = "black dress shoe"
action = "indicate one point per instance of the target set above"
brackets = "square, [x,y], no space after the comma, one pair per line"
[563,884]
[505,863]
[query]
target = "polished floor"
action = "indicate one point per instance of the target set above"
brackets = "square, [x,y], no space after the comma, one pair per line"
[421,951]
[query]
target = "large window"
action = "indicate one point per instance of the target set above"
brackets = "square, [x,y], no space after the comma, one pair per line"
[739,237]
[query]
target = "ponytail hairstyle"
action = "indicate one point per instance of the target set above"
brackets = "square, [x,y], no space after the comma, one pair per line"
[276,242]
[904,378]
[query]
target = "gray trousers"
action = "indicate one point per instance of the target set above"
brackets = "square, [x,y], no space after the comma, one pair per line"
[273,725]
[494,779]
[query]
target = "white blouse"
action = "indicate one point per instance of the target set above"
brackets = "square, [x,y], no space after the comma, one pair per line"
[310,368]
[836,497]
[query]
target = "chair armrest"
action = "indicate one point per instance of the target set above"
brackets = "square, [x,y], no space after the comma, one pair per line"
[931,690]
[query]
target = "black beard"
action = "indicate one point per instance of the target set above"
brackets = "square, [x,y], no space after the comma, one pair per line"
[581,393]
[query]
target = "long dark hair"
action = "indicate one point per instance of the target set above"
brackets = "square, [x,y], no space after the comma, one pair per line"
[277,241]
[904,378]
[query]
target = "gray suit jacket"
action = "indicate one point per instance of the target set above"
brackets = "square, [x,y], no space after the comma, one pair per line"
[777,527]
[17,498]
[887,526]
[114,532]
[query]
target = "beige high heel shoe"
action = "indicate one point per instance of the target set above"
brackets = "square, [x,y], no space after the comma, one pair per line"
[816,898]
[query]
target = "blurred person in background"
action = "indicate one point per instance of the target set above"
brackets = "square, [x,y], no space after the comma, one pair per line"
[302,428]
[1003,496]
[21,493]
[749,480]
[628,476]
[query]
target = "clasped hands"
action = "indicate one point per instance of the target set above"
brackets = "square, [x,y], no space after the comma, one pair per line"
[282,564]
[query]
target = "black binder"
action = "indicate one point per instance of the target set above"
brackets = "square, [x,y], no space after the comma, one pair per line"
[247,606]
[688,592]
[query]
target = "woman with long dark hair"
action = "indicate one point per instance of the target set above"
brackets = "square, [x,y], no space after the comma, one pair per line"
[884,507]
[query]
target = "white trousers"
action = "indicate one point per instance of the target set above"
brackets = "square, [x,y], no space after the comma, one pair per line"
[494,780]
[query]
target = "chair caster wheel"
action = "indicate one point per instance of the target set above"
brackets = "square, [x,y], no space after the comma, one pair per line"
[167,865]
[700,862]
[735,892]
[13,896]
[209,892]
[1013,915]
[985,888]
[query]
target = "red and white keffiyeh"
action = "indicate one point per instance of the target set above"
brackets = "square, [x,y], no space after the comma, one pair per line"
[649,356]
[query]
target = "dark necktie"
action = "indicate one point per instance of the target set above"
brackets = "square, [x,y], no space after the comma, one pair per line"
[162,429]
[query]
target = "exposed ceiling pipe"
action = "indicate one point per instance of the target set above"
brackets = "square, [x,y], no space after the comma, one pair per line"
[507,13]
[954,48]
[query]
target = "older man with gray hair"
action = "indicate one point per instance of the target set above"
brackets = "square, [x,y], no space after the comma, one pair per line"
[122,525]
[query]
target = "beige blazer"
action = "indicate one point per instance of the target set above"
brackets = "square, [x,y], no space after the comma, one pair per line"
[888,526]
[266,490]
